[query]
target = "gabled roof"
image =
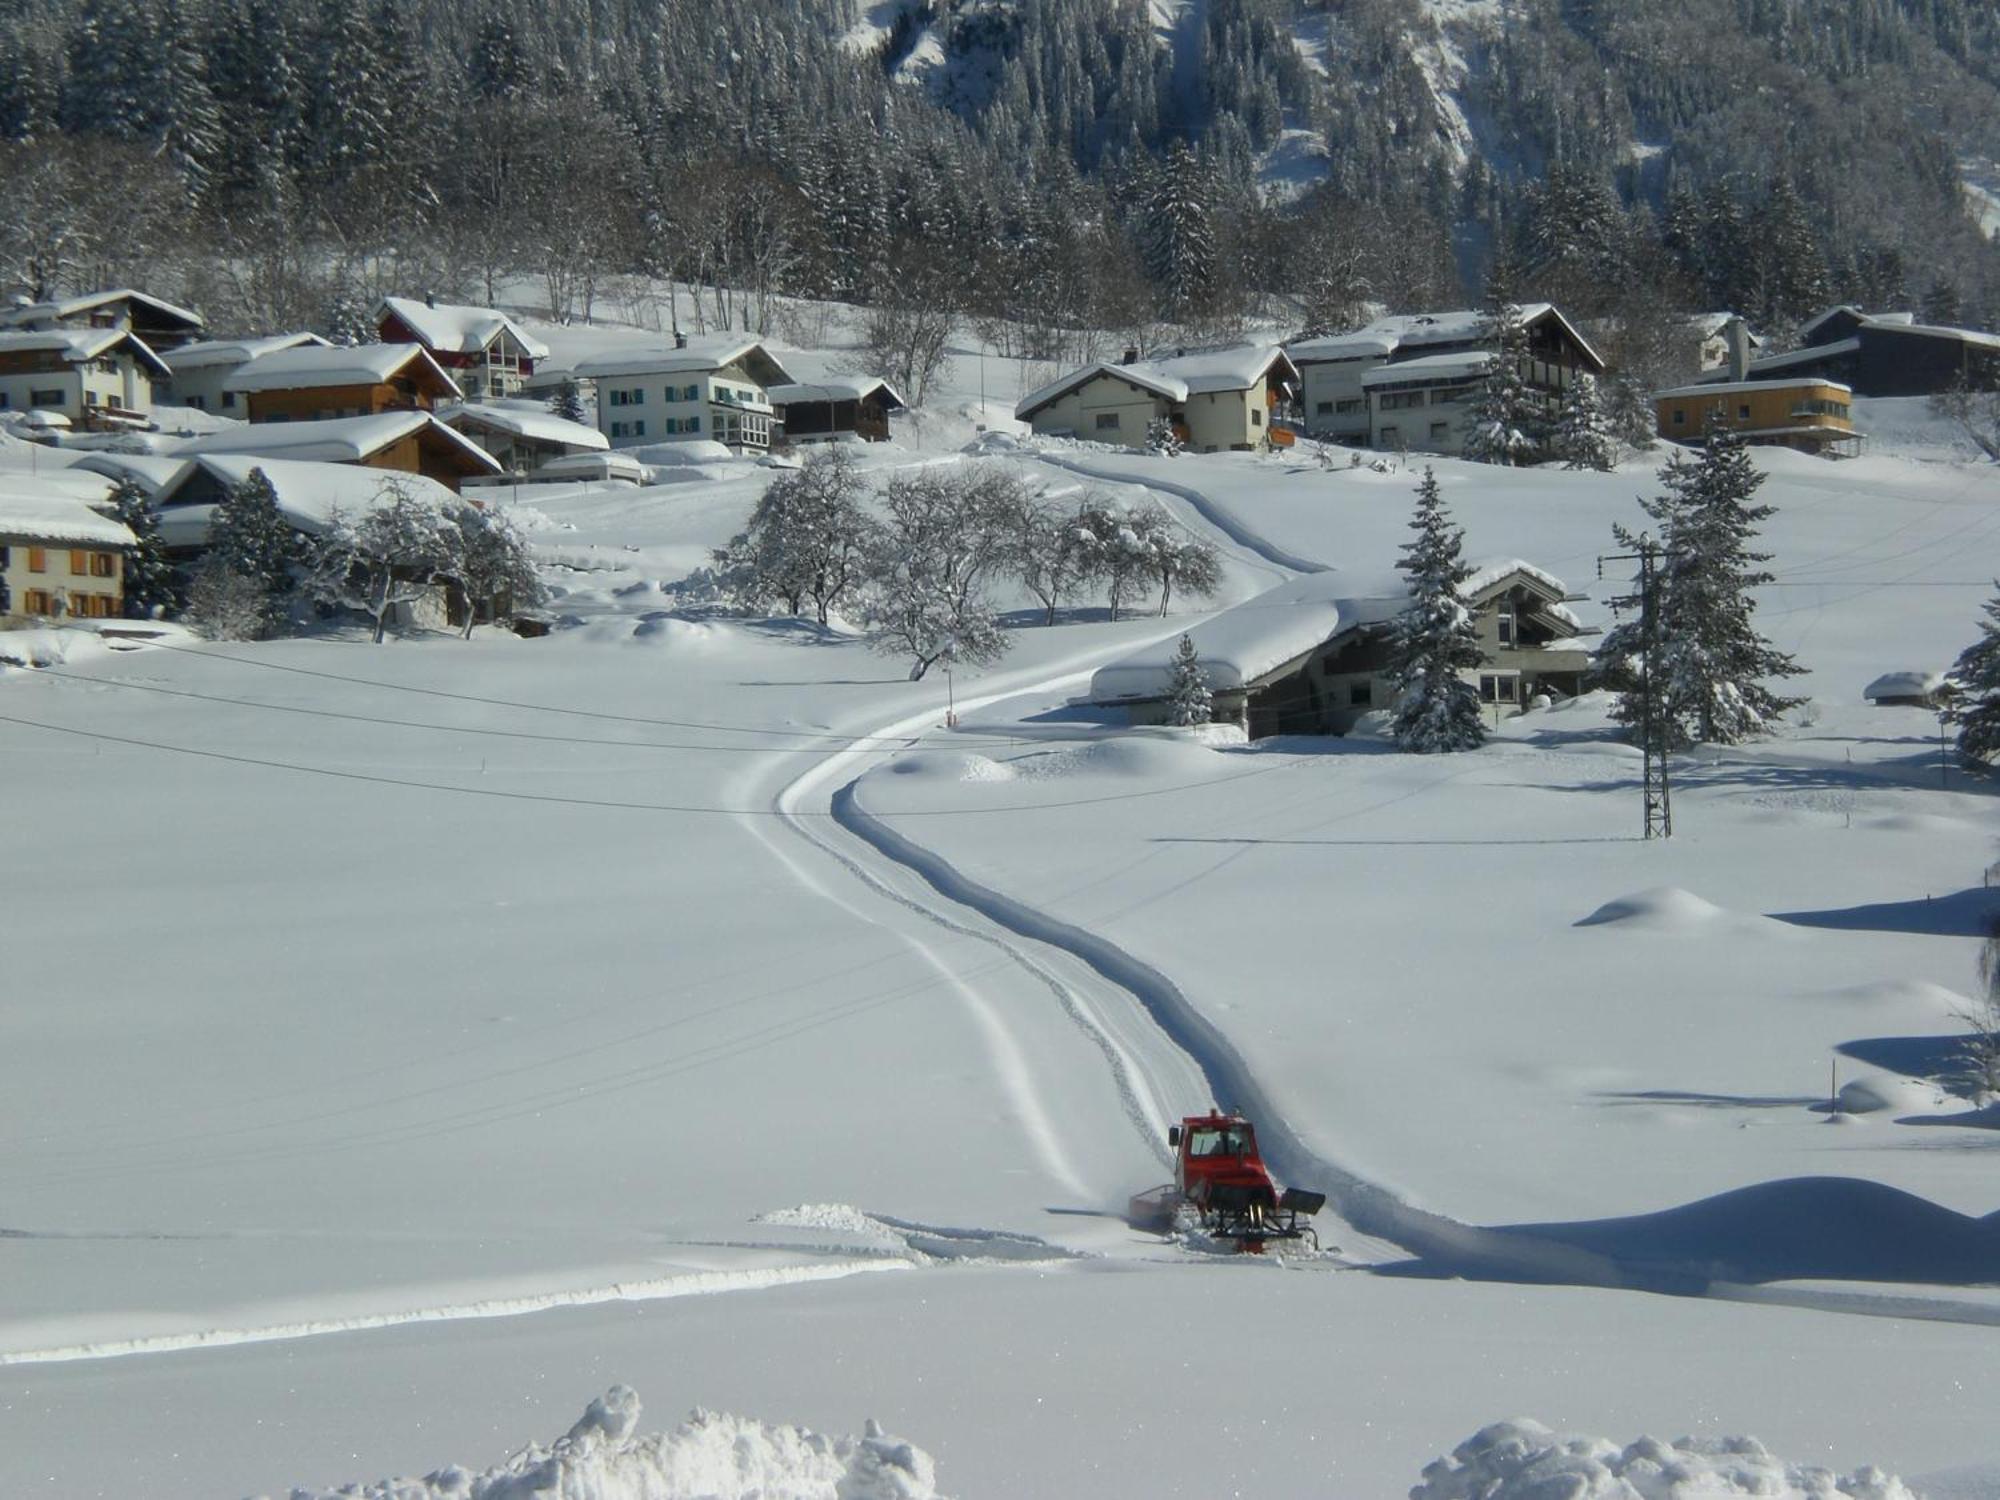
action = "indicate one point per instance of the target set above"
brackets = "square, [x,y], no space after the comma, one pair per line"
[524,422]
[848,388]
[695,356]
[1710,325]
[1400,332]
[308,493]
[456,328]
[1812,325]
[151,472]
[307,366]
[1268,634]
[78,345]
[211,352]
[31,313]
[31,514]
[1232,367]
[337,440]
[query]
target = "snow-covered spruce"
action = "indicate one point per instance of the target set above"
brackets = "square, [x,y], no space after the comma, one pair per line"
[1504,415]
[1523,1460]
[251,539]
[149,577]
[1710,663]
[1189,701]
[1976,675]
[1436,641]
[710,1456]
[1583,437]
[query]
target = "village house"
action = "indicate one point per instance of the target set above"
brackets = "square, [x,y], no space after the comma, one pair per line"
[201,372]
[522,438]
[408,442]
[59,559]
[160,324]
[1910,689]
[313,382]
[100,379]
[487,352]
[1314,655]
[1712,336]
[1809,414]
[714,388]
[1352,391]
[1216,400]
[826,410]
[1886,354]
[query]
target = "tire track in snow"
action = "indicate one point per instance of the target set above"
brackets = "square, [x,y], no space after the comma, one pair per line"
[656,1289]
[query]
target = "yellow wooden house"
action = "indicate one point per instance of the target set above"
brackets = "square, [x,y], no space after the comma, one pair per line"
[1813,415]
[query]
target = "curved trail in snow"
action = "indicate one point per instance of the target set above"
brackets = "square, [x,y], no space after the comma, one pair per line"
[1444,1245]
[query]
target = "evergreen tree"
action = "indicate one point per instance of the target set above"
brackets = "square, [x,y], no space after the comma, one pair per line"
[1436,642]
[566,401]
[249,538]
[1505,414]
[1189,701]
[149,577]
[1179,237]
[1977,677]
[1583,437]
[1711,665]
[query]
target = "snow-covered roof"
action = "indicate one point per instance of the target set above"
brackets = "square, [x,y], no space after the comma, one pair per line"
[308,493]
[525,422]
[1748,387]
[76,345]
[1399,331]
[697,354]
[849,388]
[1431,367]
[1807,355]
[151,472]
[307,366]
[1904,685]
[586,466]
[29,514]
[1493,572]
[336,440]
[211,352]
[71,307]
[1710,325]
[1243,644]
[458,329]
[1232,367]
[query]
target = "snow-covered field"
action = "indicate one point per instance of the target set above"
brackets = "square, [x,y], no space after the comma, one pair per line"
[407,1044]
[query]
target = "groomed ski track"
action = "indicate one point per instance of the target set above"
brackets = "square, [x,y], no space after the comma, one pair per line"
[1118,981]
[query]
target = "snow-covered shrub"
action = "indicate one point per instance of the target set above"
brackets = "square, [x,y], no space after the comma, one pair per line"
[1523,1460]
[1162,439]
[1189,701]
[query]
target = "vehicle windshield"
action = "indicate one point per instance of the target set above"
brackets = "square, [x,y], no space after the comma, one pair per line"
[1228,1140]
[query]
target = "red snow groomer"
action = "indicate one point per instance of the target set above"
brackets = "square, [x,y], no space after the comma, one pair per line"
[1219,1175]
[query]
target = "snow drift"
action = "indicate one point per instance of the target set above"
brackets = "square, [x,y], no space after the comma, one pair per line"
[1524,1460]
[710,1456]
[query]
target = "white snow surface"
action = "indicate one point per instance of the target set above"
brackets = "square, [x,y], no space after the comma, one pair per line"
[302,366]
[400,1035]
[523,421]
[1523,1460]
[458,329]
[41,515]
[710,1456]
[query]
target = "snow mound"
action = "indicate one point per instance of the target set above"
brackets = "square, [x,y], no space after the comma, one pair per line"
[1168,754]
[671,630]
[844,1217]
[711,1456]
[951,765]
[1664,908]
[1872,1095]
[1523,1460]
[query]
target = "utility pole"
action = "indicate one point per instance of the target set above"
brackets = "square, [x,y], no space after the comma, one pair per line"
[1652,722]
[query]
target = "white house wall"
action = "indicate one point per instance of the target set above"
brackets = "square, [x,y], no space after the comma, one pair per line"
[1331,384]
[1083,412]
[1218,421]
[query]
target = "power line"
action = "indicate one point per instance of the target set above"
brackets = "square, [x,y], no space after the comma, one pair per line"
[610,803]
[543,708]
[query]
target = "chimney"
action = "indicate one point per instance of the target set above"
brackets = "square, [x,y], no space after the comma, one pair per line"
[1131,355]
[430,299]
[1737,332]
[680,339]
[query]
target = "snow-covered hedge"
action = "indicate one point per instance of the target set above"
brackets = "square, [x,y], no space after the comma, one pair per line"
[712,1456]
[1524,1460]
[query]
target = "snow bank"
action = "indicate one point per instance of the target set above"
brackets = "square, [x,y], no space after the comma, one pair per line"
[1524,1460]
[711,1456]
